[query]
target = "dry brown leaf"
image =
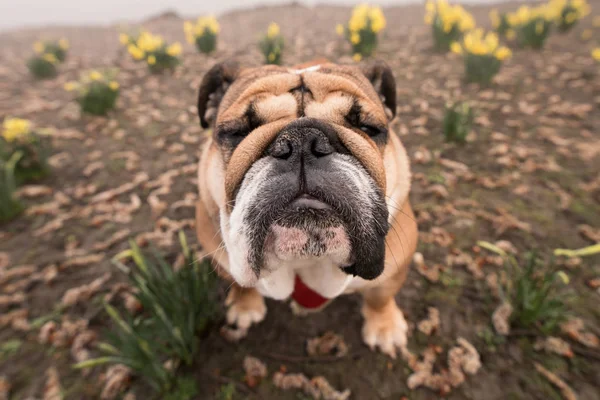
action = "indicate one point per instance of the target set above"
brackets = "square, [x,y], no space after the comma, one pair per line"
[84,292]
[438,190]
[16,319]
[329,344]
[589,233]
[79,348]
[574,328]
[566,391]
[34,191]
[92,167]
[317,388]
[431,324]
[12,299]
[115,382]
[16,272]
[52,226]
[255,371]
[4,260]
[112,240]
[465,260]
[5,387]
[83,261]
[554,345]
[112,193]
[501,318]
[52,389]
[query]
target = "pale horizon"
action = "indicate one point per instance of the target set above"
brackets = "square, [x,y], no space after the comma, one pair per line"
[41,13]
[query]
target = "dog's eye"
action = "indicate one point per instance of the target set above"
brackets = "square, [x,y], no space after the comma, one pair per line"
[371,130]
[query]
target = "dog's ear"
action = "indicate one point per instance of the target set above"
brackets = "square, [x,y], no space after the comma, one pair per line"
[212,89]
[382,79]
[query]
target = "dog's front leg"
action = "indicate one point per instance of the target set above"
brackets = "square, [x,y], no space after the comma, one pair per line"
[245,306]
[384,326]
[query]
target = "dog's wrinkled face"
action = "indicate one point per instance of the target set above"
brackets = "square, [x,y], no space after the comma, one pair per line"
[302,152]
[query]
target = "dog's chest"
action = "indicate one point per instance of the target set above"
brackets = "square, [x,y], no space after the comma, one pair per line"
[301,277]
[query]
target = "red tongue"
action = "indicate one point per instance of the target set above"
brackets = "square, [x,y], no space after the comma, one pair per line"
[305,296]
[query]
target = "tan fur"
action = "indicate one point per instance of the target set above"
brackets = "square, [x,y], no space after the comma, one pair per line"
[332,89]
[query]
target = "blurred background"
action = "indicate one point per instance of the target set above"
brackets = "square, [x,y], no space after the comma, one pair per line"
[71,12]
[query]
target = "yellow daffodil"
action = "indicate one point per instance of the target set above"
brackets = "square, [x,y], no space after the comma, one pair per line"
[428,19]
[212,24]
[358,20]
[70,86]
[339,29]
[357,57]
[151,59]
[39,47]
[456,48]
[63,44]
[123,38]
[430,7]
[174,50]
[15,128]
[95,76]
[149,42]
[51,58]
[135,52]
[491,39]
[355,38]
[273,30]
[596,54]
[503,53]
[114,86]
[377,18]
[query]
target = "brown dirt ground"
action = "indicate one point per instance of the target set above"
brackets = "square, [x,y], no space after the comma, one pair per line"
[550,150]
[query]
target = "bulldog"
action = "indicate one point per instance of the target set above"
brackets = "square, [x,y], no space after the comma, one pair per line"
[304,191]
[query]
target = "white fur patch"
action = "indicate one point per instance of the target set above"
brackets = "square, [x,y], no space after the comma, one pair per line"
[236,237]
[309,69]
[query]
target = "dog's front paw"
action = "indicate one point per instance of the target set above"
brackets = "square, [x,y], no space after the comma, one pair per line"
[385,328]
[245,307]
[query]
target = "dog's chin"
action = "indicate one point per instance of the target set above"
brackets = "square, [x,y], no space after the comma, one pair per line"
[308,230]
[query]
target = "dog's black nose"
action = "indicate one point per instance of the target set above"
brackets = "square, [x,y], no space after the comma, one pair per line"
[301,143]
[303,140]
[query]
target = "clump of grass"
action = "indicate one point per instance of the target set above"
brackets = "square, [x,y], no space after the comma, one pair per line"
[226,392]
[532,290]
[43,66]
[203,33]
[158,55]
[10,207]
[458,121]
[483,56]
[448,23]
[271,45]
[362,30]
[97,92]
[569,12]
[177,304]
[18,136]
